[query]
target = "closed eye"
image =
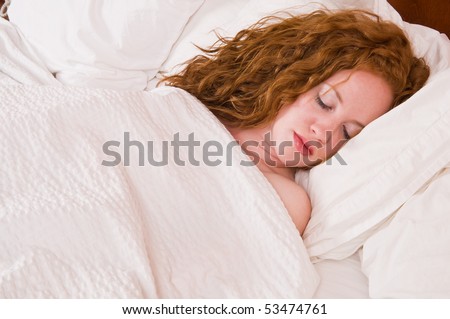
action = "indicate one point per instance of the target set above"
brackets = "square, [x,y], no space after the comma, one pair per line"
[329,108]
[322,104]
[345,132]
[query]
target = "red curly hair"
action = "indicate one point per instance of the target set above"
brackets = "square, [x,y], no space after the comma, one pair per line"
[245,80]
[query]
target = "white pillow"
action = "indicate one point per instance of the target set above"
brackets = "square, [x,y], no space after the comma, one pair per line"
[431,44]
[410,257]
[387,163]
[19,64]
[102,43]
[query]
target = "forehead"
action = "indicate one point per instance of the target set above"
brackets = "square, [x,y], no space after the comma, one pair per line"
[355,78]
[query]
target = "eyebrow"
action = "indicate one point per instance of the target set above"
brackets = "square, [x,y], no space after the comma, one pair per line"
[335,91]
[340,100]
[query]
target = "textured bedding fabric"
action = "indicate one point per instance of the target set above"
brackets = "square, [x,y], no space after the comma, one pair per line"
[72,227]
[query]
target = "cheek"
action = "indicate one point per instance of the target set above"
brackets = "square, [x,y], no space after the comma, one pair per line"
[331,148]
[287,118]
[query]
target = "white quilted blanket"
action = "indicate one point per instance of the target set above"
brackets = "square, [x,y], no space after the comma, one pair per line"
[71,227]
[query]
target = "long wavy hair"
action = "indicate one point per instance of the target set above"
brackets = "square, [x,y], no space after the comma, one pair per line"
[245,80]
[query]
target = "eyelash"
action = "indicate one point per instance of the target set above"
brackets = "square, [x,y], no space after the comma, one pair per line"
[323,105]
[346,135]
[329,108]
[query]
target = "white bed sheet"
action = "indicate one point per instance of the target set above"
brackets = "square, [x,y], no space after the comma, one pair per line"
[74,224]
[341,279]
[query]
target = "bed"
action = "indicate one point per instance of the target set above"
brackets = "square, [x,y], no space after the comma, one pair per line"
[80,219]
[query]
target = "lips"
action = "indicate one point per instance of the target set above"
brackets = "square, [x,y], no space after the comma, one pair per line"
[300,145]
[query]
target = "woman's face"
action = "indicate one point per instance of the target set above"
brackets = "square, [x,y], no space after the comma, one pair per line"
[315,126]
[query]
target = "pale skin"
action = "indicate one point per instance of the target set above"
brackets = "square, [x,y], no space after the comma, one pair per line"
[312,129]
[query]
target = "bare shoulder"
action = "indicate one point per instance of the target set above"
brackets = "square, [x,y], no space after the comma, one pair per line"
[294,198]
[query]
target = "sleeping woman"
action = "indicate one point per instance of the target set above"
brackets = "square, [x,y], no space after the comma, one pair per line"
[292,91]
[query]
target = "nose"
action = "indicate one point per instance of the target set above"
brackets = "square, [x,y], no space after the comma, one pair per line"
[323,132]
[319,133]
